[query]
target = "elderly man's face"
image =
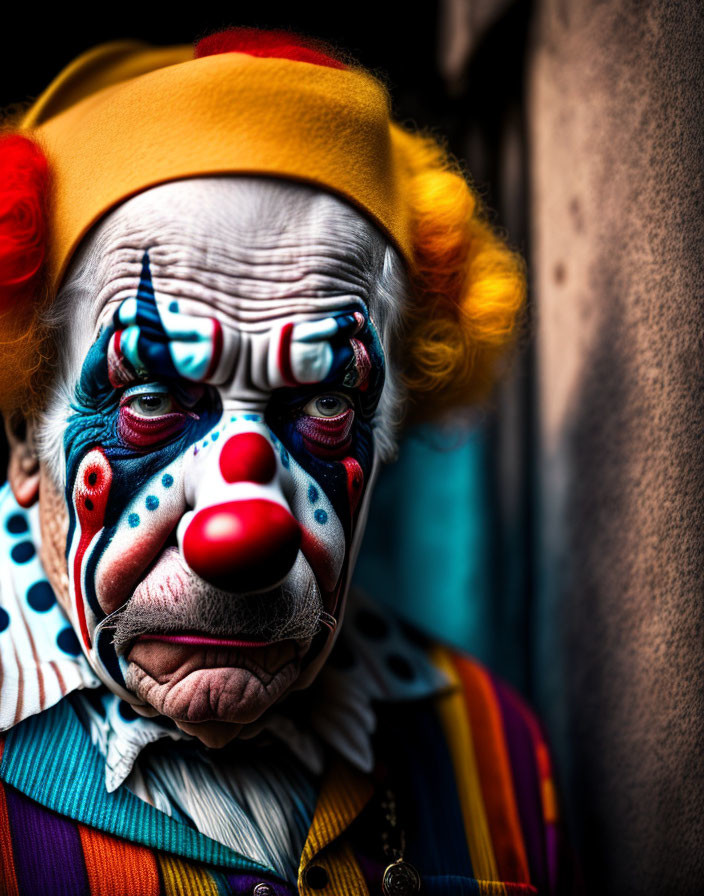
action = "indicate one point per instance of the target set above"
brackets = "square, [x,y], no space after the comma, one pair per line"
[217,441]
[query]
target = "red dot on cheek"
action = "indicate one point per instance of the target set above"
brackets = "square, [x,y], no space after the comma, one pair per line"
[92,492]
[90,495]
[247,457]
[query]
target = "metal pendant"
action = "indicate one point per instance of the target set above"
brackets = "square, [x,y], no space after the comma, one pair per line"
[400,879]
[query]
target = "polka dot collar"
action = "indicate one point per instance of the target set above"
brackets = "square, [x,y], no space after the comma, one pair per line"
[41,658]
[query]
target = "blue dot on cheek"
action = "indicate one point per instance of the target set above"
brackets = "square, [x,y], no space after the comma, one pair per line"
[133,520]
[16,524]
[320,517]
[152,502]
[68,642]
[23,552]
[173,307]
[312,494]
[4,619]
[40,597]
[167,480]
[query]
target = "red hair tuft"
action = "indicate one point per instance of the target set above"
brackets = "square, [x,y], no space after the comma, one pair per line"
[270,44]
[24,187]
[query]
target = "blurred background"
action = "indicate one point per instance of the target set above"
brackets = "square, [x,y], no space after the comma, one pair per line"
[556,533]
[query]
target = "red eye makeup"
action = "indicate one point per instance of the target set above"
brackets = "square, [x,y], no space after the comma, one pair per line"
[148,416]
[327,437]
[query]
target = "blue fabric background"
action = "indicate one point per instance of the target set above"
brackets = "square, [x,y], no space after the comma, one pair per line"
[427,550]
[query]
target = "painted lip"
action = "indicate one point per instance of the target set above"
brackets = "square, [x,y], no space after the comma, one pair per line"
[203,641]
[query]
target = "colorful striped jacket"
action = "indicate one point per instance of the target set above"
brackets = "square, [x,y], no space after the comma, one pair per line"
[469,772]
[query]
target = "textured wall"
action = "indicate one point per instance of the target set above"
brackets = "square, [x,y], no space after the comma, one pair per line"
[616,144]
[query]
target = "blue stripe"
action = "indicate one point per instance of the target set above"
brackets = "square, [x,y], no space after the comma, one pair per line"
[450,885]
[421,771]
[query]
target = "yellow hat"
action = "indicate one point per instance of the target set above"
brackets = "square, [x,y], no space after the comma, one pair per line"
[125,116]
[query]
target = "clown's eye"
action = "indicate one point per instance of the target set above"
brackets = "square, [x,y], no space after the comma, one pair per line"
[327,405]
[151,404]
[150,415]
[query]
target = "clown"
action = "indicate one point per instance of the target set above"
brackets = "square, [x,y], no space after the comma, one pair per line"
[227,278]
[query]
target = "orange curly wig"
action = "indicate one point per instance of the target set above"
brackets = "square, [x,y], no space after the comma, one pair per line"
[469,287]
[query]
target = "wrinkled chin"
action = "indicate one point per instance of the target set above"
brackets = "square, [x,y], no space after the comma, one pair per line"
[195,685]
[211,660]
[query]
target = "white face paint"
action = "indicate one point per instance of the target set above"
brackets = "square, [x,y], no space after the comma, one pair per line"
[222,411]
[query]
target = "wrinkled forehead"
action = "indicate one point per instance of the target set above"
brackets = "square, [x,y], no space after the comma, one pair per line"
[246,250]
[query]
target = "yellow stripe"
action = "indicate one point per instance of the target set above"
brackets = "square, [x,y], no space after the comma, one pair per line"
[455,723]
[345,877]
[183,879]
[345,792]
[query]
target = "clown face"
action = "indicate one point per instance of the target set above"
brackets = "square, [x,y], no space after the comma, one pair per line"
[219,428]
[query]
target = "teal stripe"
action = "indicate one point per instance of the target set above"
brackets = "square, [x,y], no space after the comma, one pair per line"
[49,757]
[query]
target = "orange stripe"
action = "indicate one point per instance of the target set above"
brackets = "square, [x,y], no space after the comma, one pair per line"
[8,877]
[343,795]
[345,877]
[494,772]
[116,867]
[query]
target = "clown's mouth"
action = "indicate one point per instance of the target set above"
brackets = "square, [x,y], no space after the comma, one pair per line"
[197,654]
[196,640]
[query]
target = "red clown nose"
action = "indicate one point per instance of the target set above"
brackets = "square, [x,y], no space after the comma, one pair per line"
[239,546]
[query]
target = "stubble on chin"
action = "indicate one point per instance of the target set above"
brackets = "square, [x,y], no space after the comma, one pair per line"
[171,599]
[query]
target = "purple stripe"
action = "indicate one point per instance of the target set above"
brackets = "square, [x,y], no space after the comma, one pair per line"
[526,783]
[553,856]
[372,871]
[47,848]
[244,884]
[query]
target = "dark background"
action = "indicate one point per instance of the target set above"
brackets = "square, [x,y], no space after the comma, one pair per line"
[406,57]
